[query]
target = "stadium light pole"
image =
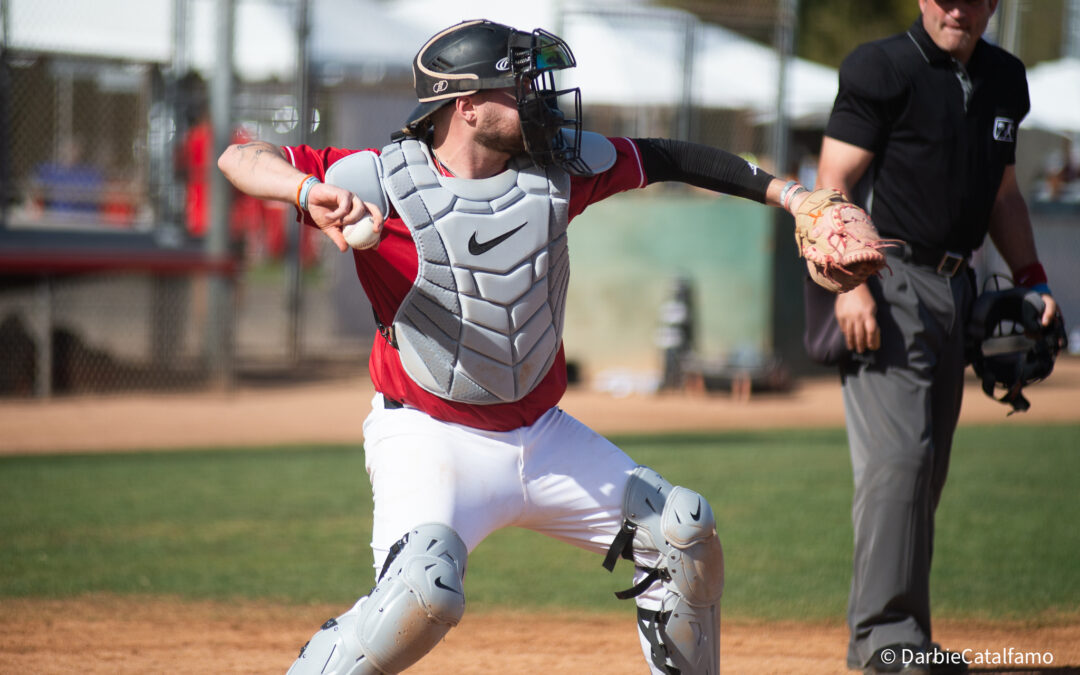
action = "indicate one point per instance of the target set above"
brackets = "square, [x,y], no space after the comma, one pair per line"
[7,192]
[785,47]
[219,327]
[787,312]
[685,121]
[293,257]
[1072,29]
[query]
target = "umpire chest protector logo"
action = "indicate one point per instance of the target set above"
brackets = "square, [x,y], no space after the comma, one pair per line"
[1004,130]
[483,320]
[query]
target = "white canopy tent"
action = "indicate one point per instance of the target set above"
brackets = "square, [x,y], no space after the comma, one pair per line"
[140,30]
[1054,88]
[362,36]
[629,53]
[632,54]
[145,30]
[733,72]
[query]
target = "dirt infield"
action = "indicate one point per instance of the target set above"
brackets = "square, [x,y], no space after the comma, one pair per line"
[108,635]
[105,634]
[332,412]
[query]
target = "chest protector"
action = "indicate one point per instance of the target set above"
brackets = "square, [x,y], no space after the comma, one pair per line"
[483,321]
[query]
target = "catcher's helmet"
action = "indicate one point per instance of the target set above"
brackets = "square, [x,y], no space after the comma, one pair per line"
[481,54]
[1009,346]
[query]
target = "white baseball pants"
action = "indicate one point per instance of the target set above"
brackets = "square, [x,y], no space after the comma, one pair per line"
[556,477]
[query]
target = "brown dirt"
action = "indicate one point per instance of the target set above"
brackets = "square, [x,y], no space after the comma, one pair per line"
[332,412]
[106,634]
[110,635]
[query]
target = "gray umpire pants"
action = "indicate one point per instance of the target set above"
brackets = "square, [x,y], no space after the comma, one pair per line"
[902,405]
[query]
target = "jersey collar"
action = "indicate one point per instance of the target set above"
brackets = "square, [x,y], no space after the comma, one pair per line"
[926,45]
[936,55]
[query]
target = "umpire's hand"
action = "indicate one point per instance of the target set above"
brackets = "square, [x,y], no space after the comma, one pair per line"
[856,313]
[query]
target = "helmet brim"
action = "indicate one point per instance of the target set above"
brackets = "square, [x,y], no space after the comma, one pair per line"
[421,113]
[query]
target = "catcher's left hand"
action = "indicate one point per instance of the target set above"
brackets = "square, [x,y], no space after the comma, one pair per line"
[840,244]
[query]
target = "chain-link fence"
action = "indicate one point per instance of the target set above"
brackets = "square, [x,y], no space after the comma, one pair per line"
[107,152]
[107,156]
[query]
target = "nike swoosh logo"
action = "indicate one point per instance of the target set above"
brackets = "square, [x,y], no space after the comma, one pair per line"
[478,248]
[439,584]
[697,515]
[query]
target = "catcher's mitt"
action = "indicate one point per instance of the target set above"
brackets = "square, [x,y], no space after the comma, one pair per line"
[840,244]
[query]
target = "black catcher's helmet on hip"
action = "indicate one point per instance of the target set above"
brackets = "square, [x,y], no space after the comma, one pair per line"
[476,55]
[1009,346]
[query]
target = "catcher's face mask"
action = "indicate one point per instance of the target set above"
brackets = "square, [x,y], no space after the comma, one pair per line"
[478,55]
[534,58]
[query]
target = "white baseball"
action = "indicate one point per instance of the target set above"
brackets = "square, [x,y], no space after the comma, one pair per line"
[361,235]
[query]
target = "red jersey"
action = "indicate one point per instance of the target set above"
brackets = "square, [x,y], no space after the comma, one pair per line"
[387,274]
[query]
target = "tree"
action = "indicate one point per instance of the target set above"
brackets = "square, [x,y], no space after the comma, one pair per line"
[829,29]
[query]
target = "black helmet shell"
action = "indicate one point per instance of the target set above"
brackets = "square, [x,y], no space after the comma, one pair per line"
[460,60]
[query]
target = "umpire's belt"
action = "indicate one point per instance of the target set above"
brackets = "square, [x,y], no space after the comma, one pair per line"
[945,263]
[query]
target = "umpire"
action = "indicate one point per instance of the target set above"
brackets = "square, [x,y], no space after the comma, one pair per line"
[923,135]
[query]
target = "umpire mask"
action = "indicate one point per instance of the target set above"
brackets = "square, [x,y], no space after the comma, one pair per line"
[481,54]
[1007,344]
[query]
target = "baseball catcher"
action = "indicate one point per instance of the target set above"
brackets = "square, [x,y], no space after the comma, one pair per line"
[458,229]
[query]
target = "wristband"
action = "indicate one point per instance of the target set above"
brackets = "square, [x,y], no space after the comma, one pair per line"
[1031,275]
[303,190]
[790,189]
[1034,277]
[799,190]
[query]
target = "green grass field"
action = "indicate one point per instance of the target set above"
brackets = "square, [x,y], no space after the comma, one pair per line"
[292,524]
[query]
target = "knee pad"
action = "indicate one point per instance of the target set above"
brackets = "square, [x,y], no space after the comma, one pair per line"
[682,639]
[418,598]
[675,529]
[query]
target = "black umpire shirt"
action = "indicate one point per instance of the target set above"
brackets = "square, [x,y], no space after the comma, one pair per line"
[941,135]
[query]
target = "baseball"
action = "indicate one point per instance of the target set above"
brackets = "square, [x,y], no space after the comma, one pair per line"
[361,235]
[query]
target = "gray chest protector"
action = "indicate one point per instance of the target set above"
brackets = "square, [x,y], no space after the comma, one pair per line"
[483,321]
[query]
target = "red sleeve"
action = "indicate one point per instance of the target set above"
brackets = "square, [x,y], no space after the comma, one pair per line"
[315,161]
[626,174]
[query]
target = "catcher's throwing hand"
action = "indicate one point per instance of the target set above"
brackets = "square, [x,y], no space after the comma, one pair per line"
[840,244]
[333,208]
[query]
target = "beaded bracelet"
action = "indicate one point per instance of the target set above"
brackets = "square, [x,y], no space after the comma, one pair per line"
[303,189]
